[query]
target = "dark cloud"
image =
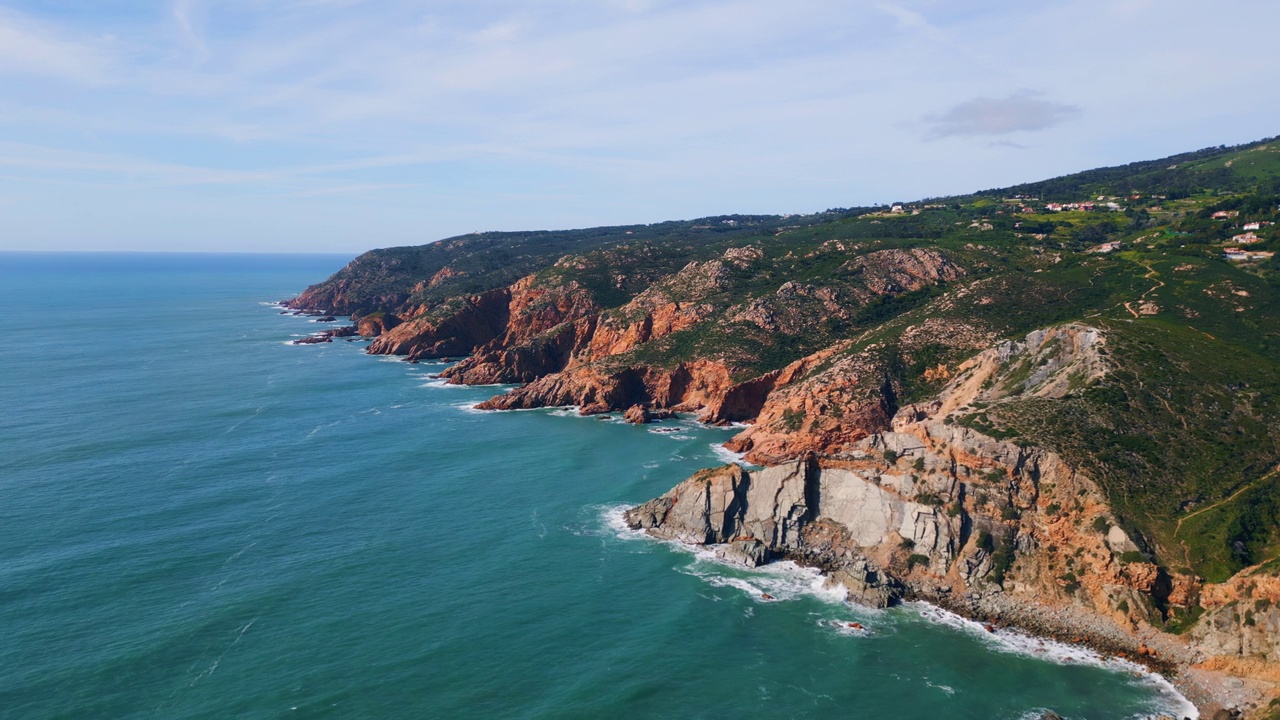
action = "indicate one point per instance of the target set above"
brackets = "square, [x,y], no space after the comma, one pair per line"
[1023,111]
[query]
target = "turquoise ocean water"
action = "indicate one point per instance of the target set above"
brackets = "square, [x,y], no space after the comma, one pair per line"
[198,520]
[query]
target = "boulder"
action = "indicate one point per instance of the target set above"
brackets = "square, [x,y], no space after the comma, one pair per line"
[1119,542]
[749,552]
[313,339]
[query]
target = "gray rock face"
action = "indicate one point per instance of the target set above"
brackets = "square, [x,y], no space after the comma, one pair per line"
[751,553]
[1244,629]
[866,584]
[774,506]
[799,509]
[1119,541]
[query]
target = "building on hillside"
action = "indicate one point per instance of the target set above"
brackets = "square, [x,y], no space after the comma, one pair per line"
[1238,255]
[1246,238]
[1226,214]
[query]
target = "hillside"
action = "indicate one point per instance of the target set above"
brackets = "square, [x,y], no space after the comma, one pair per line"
[825,332]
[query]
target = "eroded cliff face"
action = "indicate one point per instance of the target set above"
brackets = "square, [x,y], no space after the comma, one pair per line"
[546,322]
[489,324]
[597,388]
[922,507]
[557,329]
[343,297]
[677,303]
[925,509]
[833,399]
[453,328]
[550,335]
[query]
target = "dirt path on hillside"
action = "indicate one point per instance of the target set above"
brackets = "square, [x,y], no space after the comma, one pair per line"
[1220,503]
[1151,274]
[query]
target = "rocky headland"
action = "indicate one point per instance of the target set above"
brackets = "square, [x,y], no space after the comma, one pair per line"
[965,403]
[933,511]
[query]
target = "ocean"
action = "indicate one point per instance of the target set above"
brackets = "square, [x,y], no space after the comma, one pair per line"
[201,520]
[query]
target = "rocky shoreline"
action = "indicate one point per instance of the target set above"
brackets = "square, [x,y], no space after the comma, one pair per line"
[895,502]
[1004,534]
[1214,695]
[920,509]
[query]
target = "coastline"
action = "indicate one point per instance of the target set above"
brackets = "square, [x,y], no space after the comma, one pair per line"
[1075,636]
[1006,630]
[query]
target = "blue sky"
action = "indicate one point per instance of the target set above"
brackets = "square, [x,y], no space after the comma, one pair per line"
[341,125]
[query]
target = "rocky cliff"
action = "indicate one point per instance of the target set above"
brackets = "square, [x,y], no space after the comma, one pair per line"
[593,359]
[921,507]
[970,402]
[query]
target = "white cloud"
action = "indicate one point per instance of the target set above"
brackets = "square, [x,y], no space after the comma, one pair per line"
[1023,111]
[30,48]
[571,111]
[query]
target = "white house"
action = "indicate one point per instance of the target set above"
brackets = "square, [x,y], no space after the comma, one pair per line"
[1238,255]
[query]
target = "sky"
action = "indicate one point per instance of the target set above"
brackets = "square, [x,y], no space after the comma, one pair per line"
[344,125]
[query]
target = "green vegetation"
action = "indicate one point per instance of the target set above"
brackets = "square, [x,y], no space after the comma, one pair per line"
[1002,558]
[917,559]
[1181,620]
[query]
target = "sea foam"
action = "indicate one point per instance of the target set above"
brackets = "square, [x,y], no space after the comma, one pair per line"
[1020,643]
[781,581]
[728,456]
[786,580]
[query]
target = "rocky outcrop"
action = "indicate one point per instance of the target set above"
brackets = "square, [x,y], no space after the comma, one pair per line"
[791,308]
[548,333]
[602,388]
[326,336]
[821,514]
[641,415]
[375,324]
[546,322]
[537,357]
[556,327]
[827,402]
[935,511]
[677,303]
[927,508]
[454,328]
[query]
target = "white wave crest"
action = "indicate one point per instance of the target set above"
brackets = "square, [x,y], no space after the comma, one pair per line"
[728,456]
[779,581]
[782,581]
